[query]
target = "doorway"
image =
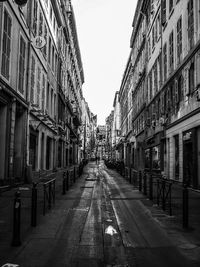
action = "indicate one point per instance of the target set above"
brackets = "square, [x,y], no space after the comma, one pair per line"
[190,159]
[3,124]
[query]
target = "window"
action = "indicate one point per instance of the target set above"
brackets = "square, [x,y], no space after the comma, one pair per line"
[190,23]
[34,26]
[49,52]
[43,91]
[54,24]
[158,27]
[164,12]
[52,105]
[150,85]
[165,62]
[149,48]
[155,77]
[171,51]
[47,97]
[147,158]
[51,13]
[172,96]
[55,106]
[56,63]
[52,58]
[176,152]
[180,88]
[158,109]
[45,37]
[153,37]
[156,157]
[21,74]
[6,46]
[40,24]
[32,79]
[160,70]
[38,85]
[156,31]
[171,5]
[179,39]
[191,78]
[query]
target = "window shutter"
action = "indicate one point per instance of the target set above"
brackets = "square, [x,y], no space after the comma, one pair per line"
[21,76]
[32,80]
[5,65]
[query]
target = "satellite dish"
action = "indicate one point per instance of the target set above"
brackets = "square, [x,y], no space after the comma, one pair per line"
[39,42]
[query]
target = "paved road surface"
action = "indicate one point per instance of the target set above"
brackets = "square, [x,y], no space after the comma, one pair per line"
[102,221]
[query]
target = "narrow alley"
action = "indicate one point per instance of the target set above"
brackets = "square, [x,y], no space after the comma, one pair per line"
[101,221]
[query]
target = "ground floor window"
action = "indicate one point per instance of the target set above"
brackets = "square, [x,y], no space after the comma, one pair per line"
[59,153]
[32,150]
[147,158]
[156,157]
[176,146]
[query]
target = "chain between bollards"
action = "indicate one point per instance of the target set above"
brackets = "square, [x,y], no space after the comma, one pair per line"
[16,241]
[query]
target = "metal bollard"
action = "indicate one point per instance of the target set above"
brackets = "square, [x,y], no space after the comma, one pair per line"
[16,241]
[64,183]
[50,194]
[163,195]
[145,183]
[140,181]
[150,187]
[34,206]
[74,174]
[67,180]
[185,207]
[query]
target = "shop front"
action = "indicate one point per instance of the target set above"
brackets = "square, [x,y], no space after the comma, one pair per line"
[154,153]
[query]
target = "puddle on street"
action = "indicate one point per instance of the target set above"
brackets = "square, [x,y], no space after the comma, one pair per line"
[10,265]
[110,230]
[81,209]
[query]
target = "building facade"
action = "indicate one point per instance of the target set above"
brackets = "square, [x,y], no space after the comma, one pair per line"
[160,92]
[14,64]
[40,88]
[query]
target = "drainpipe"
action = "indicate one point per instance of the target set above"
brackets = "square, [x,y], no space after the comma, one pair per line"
[27,85]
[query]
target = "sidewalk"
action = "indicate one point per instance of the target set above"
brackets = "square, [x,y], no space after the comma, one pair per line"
[7,251]
[187,240]
[59,232]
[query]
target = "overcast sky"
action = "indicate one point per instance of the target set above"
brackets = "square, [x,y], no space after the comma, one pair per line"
[104,30]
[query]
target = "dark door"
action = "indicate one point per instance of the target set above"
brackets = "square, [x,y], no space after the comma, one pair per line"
[48,153]
[190,159]
[32,150]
